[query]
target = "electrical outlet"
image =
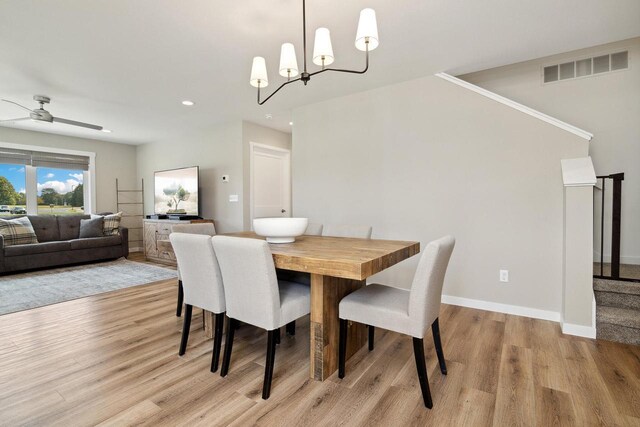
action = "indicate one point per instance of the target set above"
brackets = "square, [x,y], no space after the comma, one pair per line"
[504,275]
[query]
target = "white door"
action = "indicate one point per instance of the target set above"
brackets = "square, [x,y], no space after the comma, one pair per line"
[270,190]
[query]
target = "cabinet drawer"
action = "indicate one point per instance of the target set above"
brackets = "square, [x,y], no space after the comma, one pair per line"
[164,228]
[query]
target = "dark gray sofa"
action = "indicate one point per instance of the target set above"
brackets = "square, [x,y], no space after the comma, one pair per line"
[59,244]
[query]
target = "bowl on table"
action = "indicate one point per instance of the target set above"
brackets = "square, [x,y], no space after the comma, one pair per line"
[280,230]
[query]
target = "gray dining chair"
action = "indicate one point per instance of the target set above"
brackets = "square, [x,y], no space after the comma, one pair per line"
[255,296]
[202,284]
[313,229]
[404,311]
[355,231]
[204,228]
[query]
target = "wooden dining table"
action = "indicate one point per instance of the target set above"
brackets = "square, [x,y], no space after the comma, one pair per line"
[338,266]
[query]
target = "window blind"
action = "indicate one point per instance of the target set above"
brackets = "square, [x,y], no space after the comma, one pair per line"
[15,157]
[60,161]
[42,159]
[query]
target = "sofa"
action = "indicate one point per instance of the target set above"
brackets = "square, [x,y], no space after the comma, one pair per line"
[59,244]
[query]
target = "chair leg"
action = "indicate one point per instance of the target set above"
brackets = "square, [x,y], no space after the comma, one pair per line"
[342,347]
[435,328]
[268,369]
[217,341]
[186,325]
[372,331]
[277,335]
[180,299]
[291,328]
[228,343]
[418,351]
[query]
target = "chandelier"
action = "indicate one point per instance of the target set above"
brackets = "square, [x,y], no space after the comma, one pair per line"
[366,41]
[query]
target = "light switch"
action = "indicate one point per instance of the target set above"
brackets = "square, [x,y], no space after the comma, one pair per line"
[233,197]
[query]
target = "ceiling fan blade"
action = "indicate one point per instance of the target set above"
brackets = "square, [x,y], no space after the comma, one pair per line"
[74,123]
[16,120]
[15,103]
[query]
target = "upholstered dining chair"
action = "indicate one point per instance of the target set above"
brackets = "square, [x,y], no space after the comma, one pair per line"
[407,312]
[355,231]
[204,228]
[255,296]
[202,284]
[313,229]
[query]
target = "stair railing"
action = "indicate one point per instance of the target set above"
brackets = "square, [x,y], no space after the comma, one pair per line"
[616,221]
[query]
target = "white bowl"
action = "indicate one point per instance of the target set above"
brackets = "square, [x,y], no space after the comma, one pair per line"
[280,230]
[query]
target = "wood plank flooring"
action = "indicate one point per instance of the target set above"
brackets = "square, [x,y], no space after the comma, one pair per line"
[111,360]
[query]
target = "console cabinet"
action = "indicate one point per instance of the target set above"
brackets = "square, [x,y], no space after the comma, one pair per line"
[159,229]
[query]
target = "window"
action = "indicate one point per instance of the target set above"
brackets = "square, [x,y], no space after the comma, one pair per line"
[45,182]
[13,197]
[60,191]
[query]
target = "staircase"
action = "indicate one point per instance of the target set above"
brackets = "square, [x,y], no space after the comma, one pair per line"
[617,310]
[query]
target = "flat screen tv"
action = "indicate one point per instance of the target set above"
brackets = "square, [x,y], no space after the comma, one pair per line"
[176,192]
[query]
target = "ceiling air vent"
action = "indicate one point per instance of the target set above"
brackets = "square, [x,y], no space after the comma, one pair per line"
[586,67]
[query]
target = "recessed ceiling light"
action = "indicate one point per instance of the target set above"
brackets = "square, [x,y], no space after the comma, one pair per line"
[290,123]
[106,130]
[188,103]
[268,116]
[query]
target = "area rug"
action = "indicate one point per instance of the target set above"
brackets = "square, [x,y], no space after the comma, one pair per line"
[29,290]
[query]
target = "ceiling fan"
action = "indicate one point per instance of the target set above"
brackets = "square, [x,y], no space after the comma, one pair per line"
[42,115]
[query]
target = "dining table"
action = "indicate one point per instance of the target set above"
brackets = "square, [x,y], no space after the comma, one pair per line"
[338,266]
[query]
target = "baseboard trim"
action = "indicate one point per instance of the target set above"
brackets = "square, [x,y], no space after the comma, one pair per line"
[635,260]
[579,330]
[502,308]
[135,250]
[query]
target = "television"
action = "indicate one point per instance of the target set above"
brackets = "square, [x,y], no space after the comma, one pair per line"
[176,192]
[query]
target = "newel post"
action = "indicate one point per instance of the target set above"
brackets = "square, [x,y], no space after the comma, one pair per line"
[578,303]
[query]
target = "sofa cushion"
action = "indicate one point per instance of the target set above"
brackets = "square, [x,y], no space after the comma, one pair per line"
[111,223]
[46,227]
[69,226]
[95,242]
[36,248]
[17,231]
[91,227]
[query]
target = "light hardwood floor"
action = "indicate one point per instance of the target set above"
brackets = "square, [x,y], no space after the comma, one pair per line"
[112,359]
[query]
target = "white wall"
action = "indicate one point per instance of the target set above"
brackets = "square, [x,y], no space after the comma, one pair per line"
[217,151]
[607,105]
[220,150]
[112,160]
[425,158]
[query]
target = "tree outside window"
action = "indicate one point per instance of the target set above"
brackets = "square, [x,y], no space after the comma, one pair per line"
[60,191]
[12,190]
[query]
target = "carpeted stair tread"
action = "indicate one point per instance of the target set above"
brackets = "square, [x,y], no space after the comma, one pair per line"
[619,316]
[621,334]
[617,286]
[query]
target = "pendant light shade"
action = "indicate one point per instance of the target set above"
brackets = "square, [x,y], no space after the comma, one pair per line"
[259,73]
[366,40]
[288,61]
[322,49]
[367,29]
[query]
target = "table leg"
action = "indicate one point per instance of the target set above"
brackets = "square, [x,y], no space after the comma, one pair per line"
[209,323]
[326,293]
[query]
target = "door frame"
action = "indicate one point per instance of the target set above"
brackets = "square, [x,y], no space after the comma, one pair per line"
[274,152]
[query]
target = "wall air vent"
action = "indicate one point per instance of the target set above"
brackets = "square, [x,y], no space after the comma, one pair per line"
[586,67]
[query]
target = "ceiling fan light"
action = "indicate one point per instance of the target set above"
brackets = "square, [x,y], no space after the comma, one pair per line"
[322,49]
[288,61]
[259,73]
[367,30]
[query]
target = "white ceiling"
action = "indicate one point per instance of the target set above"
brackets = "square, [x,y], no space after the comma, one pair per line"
[127,64]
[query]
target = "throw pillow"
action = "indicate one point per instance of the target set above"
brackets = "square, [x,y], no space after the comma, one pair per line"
[111,223]
[17,231]
[91,227]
